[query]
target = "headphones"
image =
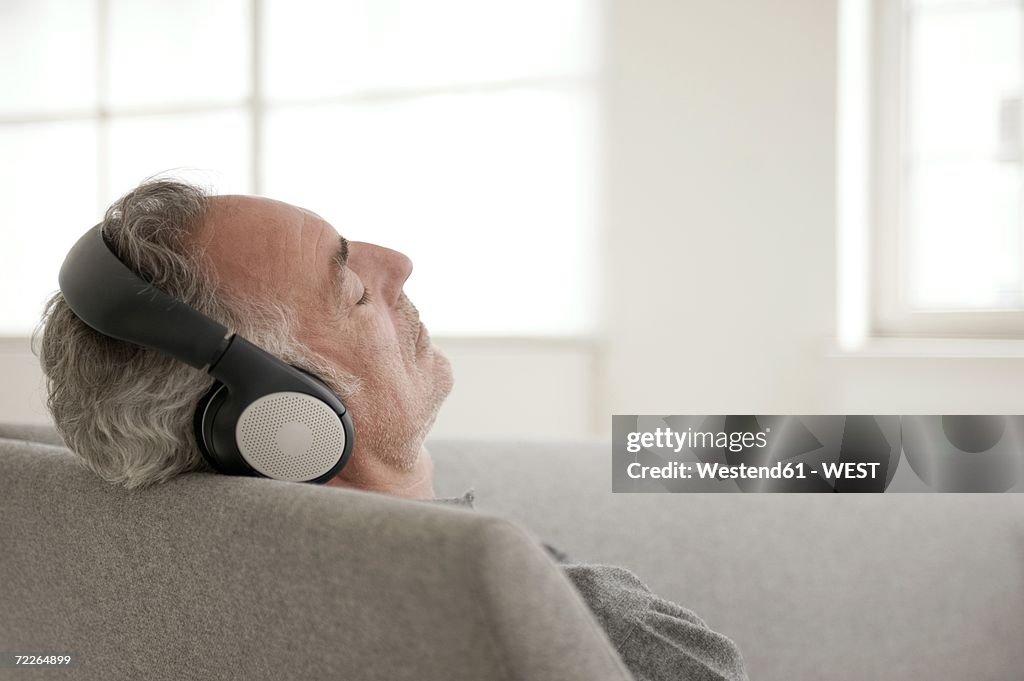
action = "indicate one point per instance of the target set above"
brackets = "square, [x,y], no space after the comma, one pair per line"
[262,417]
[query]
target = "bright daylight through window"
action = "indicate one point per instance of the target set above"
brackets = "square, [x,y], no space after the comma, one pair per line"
[949,249]
[363,111]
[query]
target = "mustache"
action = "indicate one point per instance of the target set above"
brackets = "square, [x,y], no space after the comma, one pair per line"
[406,308]
[411,316]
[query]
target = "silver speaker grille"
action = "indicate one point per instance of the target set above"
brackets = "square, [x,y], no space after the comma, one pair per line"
[290,436]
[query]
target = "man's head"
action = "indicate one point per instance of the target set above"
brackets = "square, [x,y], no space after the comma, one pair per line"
[280,276]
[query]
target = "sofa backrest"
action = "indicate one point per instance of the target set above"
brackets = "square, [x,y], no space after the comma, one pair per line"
[829,587]
[226,578]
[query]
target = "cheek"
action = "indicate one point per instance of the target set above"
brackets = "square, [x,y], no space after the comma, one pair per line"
[373,357]
[383,327]
[368,327]
[386,397]
[355,340]
[368,348]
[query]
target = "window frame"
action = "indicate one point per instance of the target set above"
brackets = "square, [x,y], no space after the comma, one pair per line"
[891,315]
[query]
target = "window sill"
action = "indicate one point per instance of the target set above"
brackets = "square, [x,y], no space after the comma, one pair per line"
[931,348]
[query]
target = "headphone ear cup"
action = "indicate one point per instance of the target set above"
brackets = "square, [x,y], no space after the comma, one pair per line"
[202,422]
[291,436]
[268,419]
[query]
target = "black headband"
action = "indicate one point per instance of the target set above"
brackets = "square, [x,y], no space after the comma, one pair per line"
[108,296]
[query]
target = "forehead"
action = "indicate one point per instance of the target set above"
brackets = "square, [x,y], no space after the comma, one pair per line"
[259,245]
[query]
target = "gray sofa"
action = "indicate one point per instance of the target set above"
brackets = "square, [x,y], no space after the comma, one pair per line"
[210,577]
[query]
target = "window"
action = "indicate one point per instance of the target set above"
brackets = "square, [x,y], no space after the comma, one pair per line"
[462,132]
[949,249]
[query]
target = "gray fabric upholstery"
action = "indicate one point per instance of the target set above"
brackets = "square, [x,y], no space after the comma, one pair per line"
[901,587]
[208,577]
[31,433]
[812,588]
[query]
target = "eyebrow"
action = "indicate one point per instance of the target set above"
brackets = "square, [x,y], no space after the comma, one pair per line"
[338,263]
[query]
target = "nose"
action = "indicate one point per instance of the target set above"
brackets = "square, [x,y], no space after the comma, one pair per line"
[384,271]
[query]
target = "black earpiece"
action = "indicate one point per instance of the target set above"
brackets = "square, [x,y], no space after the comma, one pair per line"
[262,416]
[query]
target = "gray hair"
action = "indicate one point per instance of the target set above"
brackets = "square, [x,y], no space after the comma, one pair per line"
[125,410]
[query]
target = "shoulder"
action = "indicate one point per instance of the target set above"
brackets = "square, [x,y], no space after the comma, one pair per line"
[655,637]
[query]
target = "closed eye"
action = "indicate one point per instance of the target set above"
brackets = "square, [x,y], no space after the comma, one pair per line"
[365,297]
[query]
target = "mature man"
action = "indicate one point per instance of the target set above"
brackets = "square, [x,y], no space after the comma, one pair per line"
[282,277]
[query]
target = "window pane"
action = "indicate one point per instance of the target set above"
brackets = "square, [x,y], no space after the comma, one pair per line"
[491,195]
[325,47]
[964,240]
[47,55]
[47,205]
[212,149]
[965,80]
[173,51]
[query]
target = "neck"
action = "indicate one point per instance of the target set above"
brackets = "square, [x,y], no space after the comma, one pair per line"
[370,473]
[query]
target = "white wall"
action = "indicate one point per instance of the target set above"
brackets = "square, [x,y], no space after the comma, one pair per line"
[721,224]
[720,205]
[21,384]
[520,389]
